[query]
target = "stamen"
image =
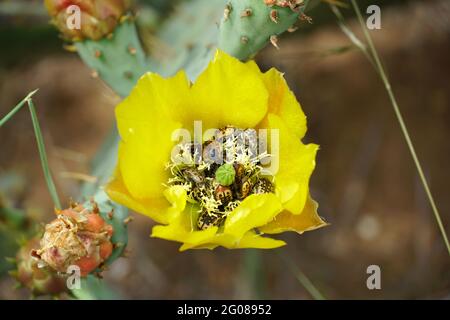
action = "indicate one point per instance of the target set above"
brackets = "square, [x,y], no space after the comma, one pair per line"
[228,171]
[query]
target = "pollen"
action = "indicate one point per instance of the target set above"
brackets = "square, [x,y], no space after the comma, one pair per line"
[220,173]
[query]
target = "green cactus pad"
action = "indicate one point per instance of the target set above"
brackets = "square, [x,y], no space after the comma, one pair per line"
[248,25]
[119,60]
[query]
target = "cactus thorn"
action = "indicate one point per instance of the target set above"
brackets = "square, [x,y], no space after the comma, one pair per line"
[293,29]
[274,41]
[95,208]
[128,220]
[111,214]
[227,11]
[304,17]
[270,2]
[97,53]
[94,74]
[128,74]
[274,15]
[244,39]
[72,204]
[110,36]
[104,268]
[117,245]
[246,13]
[132,50]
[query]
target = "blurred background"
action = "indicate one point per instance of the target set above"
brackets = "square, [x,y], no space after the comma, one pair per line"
[365,180]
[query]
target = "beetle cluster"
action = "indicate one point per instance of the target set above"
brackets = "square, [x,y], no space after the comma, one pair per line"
[227,171]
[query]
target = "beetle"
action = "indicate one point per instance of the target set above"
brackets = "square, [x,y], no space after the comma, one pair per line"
[223,194]
[263,185]
[244,187]
[207,219]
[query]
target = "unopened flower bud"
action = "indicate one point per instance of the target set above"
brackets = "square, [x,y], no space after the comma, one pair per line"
[81,19]
[40,280]
[78,237]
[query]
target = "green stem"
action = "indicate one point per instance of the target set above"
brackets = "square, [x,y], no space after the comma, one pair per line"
[401,121]
[17,108]
[254,273]
[353,38]
[43,155]
[303,279]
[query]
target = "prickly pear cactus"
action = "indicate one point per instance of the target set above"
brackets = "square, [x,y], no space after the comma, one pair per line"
[118,59]
[117,216]
[188,38]
[249,25]
[106,39]
[109,44]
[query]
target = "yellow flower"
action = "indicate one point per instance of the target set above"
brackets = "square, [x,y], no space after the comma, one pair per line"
[228,94]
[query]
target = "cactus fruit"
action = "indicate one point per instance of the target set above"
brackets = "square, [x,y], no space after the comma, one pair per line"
[40,280]
[249,25]
[116,216]
[97,18]
[78,236]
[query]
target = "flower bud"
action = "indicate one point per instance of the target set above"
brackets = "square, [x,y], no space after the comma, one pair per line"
[40,280]
[81,19]
[78,236]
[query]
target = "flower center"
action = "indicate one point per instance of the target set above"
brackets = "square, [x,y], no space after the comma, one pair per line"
[221,172]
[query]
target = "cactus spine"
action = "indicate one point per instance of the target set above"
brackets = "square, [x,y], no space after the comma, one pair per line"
[249,25]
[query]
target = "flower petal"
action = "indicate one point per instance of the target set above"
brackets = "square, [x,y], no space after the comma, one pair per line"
[308,220]
[229,92]
[254,211]
[146,126]
[182,228]
[155,208]
[283,102]
[249,240]
[296,164]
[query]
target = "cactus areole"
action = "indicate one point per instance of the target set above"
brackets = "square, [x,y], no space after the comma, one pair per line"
[77,237]
[86,19]
[249,25]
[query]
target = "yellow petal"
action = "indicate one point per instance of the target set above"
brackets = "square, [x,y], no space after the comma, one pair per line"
[182,228]
[249,240]
[229,92]
[146,126]
[283,102]
[254,211]
[296,164]
[155,208]
[308,220]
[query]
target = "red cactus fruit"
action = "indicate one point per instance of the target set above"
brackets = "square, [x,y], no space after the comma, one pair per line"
[40,280]
[98,18]
[78,236]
